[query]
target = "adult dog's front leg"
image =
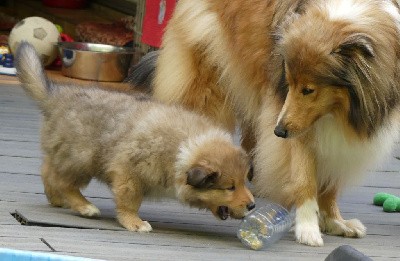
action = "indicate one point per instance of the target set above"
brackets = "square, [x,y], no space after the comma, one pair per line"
[331,221]
[303,169]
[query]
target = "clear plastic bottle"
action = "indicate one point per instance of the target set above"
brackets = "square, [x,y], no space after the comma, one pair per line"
[264,226]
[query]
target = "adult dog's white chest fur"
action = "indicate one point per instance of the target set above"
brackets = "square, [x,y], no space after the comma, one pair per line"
[341,159]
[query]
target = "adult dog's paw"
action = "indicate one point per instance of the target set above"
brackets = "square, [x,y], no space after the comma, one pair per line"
[307,228]
[308,234]
[346,228]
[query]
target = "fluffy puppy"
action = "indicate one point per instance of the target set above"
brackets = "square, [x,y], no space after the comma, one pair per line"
[136,146]
[323,74]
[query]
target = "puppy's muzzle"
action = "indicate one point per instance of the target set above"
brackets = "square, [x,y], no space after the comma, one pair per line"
[250,206]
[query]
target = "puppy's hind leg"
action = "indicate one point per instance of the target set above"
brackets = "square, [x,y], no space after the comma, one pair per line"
[331,222]
[76,201]
[49,178]
[128,195]
[64,191]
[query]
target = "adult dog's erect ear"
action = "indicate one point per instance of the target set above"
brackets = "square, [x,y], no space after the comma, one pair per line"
[199,177]
[356,43]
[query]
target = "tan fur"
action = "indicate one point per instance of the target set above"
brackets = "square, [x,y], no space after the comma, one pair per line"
[257,60]
[136,146]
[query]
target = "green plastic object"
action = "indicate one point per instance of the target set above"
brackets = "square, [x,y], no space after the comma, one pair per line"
[390,202]
[380,198]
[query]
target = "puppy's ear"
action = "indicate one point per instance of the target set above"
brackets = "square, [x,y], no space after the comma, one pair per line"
[358,43]
[199,177]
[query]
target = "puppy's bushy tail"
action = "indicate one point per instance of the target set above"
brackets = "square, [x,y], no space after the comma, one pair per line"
[30,72]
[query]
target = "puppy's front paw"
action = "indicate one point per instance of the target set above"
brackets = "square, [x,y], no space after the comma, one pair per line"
[346,228]
[142,226]
[132,222]
[308,234]
[89,211]
[145,227]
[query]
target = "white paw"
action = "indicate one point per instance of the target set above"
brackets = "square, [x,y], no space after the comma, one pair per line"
[307,227]
[308,234]
[346,228]
[145,227]
[142,226]
[89,211]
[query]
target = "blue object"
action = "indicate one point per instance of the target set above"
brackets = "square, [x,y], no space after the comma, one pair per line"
[8,64]
[8,61]
[19,255]
[264,226]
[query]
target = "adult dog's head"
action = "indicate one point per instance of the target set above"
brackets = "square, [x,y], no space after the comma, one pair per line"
[212,173]
[341,58]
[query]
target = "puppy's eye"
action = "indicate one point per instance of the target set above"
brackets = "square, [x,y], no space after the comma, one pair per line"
[307,91]
[232,188]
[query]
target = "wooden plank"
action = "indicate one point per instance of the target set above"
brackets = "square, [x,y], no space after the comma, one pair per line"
[156,243]
[364,194]
[47,216]
[383,180]
[29,244]
[26,137]
[334,241]
[8,79]
[20,149]
[7,220]
[21,164]
[22,197]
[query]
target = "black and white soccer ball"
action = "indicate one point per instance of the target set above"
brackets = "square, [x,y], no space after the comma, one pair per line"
[40,33]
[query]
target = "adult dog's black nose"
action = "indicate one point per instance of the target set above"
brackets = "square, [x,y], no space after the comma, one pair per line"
[280,131]
[251,206]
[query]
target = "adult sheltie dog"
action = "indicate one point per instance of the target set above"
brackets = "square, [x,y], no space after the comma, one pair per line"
[322,74]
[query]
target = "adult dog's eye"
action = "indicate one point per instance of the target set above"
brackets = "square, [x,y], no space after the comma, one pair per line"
[307,91]
[232,188]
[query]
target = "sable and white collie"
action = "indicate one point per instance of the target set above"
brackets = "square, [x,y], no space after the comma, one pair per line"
[322,74]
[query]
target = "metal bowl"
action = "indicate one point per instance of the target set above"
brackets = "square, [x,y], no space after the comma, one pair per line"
[98,62]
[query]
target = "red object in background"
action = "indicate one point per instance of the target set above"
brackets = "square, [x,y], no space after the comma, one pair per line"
[158,13]
[70,4]
[66,38]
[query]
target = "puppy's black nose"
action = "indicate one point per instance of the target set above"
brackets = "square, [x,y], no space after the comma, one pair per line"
[280,131]
[251,206]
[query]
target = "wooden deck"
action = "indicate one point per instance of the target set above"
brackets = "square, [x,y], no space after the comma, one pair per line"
[180,233]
